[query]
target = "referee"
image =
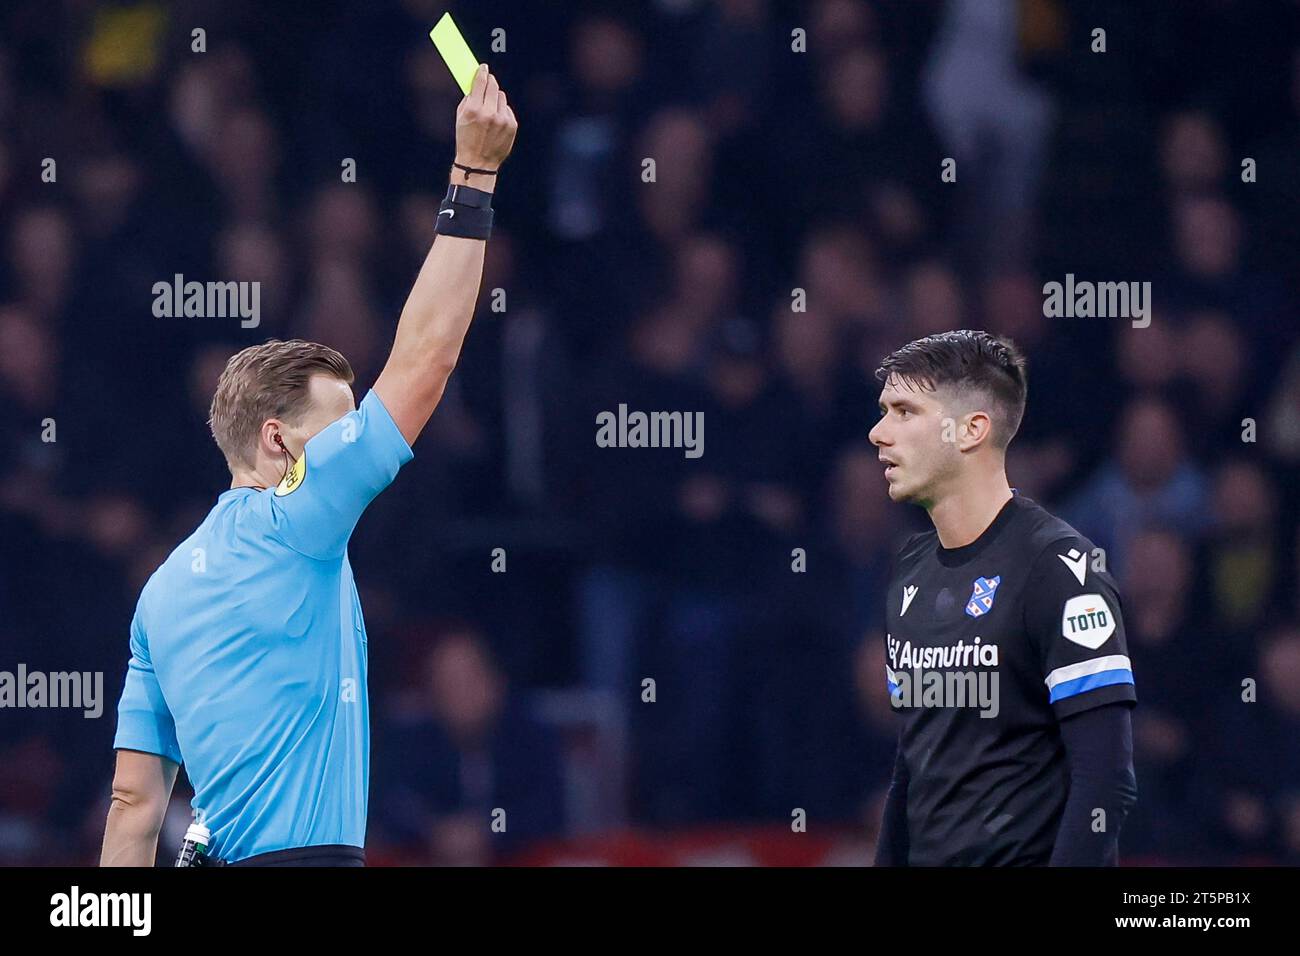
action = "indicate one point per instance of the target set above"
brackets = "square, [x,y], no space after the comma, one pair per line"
[248,648]
[1006,655]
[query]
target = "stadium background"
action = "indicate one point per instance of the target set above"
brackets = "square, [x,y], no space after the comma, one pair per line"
[776,170]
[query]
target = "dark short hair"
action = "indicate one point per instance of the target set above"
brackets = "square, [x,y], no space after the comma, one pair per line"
[967,359]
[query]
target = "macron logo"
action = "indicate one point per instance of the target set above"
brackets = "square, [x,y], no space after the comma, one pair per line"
[909,592]
[1077,562]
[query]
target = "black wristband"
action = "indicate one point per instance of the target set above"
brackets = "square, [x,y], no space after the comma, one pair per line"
[468,196]
[464,221]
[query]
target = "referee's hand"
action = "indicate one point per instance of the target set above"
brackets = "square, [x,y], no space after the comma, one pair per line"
[485,124]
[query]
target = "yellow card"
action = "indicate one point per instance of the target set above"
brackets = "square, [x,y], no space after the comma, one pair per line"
[455,51]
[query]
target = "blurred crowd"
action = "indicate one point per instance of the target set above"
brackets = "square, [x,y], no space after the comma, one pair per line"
[796,230]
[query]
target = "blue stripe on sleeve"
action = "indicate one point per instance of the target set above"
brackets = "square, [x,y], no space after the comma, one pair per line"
[1081,685]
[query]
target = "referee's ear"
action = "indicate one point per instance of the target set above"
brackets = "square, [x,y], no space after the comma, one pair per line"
[270,437]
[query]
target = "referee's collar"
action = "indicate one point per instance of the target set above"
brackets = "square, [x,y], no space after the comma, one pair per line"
[231,491]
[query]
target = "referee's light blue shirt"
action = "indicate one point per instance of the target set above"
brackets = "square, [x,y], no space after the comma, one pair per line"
[248,650]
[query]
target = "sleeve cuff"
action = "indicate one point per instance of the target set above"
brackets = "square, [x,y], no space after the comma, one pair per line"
[1078,703]
[138,732]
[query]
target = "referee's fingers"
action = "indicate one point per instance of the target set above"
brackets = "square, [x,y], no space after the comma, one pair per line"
[490,91]
[478,88]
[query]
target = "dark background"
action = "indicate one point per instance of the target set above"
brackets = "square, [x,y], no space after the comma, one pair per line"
[776,170]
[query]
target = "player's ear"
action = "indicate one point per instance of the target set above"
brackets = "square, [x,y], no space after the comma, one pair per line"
[977,430]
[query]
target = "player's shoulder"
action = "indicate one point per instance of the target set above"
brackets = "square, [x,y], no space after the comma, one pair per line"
[1040,529]
[1049,541]
[915,545]
[913,550]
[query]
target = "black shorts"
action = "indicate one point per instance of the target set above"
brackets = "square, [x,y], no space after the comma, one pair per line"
[330,855]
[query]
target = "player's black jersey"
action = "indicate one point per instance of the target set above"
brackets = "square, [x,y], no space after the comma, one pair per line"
[988,646]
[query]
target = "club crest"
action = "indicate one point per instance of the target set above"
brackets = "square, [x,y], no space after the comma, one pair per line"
[981,598]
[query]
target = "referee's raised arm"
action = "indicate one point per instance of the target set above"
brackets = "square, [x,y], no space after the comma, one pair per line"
[441,304]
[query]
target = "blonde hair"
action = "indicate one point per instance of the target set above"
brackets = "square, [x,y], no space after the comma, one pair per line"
[267,381]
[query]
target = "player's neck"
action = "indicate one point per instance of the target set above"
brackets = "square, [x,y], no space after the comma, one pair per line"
[963,515]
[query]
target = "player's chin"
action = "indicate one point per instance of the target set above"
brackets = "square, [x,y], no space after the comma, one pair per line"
[900,492]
